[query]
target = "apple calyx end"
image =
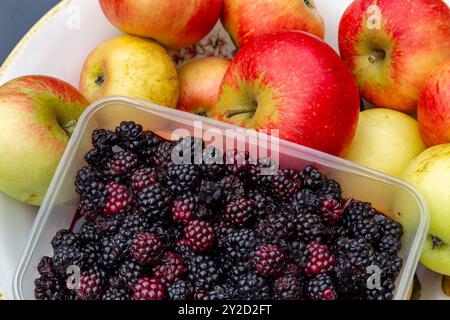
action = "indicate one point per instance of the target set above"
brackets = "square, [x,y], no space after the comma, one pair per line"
[436,242]
[377,55]
[100,80]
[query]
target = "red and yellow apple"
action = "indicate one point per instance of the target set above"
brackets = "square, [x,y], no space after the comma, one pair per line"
[392,46]
[37,117]
[296,83]
[133,67]
[200,82]
[433,110]
[173,23]
[245,19]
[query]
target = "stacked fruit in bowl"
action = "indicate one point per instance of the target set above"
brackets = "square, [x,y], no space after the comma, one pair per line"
[154,229]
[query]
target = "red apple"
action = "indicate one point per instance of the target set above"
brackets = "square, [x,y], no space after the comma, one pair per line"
[37,116]
[245,19]
[200,82]
[433,111]
[293,82]
[392,46]
[173,23]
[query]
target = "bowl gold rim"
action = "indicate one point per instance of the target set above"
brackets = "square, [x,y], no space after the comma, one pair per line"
[36,27]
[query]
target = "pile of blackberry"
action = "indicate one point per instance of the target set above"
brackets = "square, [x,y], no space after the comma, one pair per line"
[213,227]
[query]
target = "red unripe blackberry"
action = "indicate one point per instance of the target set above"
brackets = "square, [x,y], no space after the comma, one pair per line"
[91,283]
[320,259]
[184,208]
[170,269]
[147,248]
[285,184]
[119,199]
[240,211]
[199,235]
[331,210]
[148,289]
[142,178]
[287,287]
[269,260]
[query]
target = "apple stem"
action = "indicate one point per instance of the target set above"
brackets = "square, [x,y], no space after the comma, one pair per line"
[232,113]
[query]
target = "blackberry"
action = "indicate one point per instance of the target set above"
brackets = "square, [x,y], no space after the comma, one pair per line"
[260,175]
[310,227]
[142,178]
[133,224]
[389,227]
[264,205]
[331,210]
[222,230]
[251,286]
[98,157]
[241,245]
[321,288]
[189,150]
[129,133]
[148,142]
[356,211]
[93,200]
[116,294]
[154,201]
[236,270]
[222,292]
[204,272]
[45,268]
[148,289]
[334,232]
[276,226]
[211,193]
[180,290]
[287,287]
[306,202]
[212,166]
[84,177]
[91,284]
[91,254]
[122,164]
[48,288]
[184,252]
[182,177]
[385,292]
[320,259]
[65,239]
[119,199]
[232,187]
[389,244]
[311,178]
[240,211]
[330,190]
[102,138]
[367,229]
[89,233]
[237,162]
[110,225]
[170,269]
[162,156]
[65,257]
[184,208]
[111,254]
[199,235]
[130,271]
[298,253]
[285,184]
[269,260]
[147,248]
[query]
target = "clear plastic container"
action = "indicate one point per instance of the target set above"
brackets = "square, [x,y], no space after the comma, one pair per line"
[389,195]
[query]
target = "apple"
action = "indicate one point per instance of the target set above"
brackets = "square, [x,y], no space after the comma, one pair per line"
[173,23]
[133,67]
[386,140]
[392,46]
[293,82]
[200,82]
[430,174]
[245,19]
[433,110]
[37,116]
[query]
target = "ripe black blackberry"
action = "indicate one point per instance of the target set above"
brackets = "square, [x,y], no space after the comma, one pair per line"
[212,166]
[334,232]
[119,199]
[84,177]
[305,202]
[285,184]
[116,294]
[389,245]
[110,254]
[240,211]
[331,210]
[251,286]
[237,162]
[170,269]
[184,207]
[91,254]
[232,187]
[145,177]
[184,251]
[199,235]
[64,239]
[260,175]
[357,210]
[98,157]
[180,290]
[223,230]
[298,253]
[45,268]
[48,288]
[183,177]
[276,226]
[330,190]
[134,223]
[287,287]
[148,142]
[221,292]
[311,178]
[211,193]
[367,229]
[235,270]
[264,205]
[162,156]
[320,259]
[91,284]
[66,256]
[102,138]
[148,289]
[389,227]
[189,150]
[385,292]
[321,288]
[89,233]
[122,164]
[310,227]
[130,271]
[241,245]
[204,272]
[154,202]
[93,200]
[147,248]
[269,260]
[129,133]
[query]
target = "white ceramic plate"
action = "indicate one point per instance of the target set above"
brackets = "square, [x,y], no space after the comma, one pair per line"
[57,46]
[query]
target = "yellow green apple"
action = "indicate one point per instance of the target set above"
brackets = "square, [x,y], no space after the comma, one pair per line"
[386,140]
[37,116]
[133,67]
[430,174]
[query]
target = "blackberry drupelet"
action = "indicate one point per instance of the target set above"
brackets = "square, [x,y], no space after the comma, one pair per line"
[182,177]
[321,288]
[222,292]
[89,233]
[199,235]
[240,211]
[356,211]
[311,178]
[367,229]
[389,245]
[269,260]
[148,289]
[389,227]
[147,248]
[154,202]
